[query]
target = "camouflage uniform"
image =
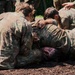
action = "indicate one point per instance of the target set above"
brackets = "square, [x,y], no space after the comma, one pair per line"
[62,40]
[67,18]
[16,42]
[58,3]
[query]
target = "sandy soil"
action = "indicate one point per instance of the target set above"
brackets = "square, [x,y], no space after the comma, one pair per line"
[47,68]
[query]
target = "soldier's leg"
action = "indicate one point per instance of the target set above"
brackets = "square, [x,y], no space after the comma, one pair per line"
[9,48]
[72,48]
[8,54]
[35,56]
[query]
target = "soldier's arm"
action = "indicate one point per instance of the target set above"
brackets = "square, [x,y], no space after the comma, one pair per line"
[27,55]
[35,56]
[69,5]
[41,23]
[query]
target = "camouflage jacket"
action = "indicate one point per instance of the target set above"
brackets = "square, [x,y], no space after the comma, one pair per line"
[15,37]
[52,36]
[67,18]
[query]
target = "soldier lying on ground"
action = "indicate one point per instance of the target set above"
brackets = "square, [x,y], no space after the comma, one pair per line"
[49,36]
[65,20]
[63,40]
[69,5]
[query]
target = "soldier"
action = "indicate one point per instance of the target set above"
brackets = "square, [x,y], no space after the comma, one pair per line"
[63,40]
[65,20]
[58,3]
[16,39]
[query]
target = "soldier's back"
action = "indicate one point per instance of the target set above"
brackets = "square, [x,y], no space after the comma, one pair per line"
[67,18]
[9,45]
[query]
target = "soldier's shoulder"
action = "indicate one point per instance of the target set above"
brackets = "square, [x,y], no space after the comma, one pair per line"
[64,13]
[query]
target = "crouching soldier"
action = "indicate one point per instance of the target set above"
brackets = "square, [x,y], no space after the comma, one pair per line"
[64,19]
[16,38]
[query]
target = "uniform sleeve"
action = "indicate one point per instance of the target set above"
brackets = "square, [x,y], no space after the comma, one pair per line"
[24,30]
[14,39]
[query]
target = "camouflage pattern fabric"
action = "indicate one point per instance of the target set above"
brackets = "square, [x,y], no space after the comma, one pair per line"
[62,40]
[52,36]
[67,18]
[58,3]
[71,35]
[16,42]
[11,33]
[35,56]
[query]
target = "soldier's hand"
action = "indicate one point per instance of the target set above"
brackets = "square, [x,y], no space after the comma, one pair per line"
[68,5]
[42,23]
[49,21]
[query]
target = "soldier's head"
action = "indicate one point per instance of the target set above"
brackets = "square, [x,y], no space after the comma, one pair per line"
[26,9]
[51,12]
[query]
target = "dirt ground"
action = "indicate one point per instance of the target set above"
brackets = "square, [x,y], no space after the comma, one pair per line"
[46,68]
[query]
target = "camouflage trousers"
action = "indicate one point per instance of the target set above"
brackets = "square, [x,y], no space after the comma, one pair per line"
[71,35]
[35,56]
